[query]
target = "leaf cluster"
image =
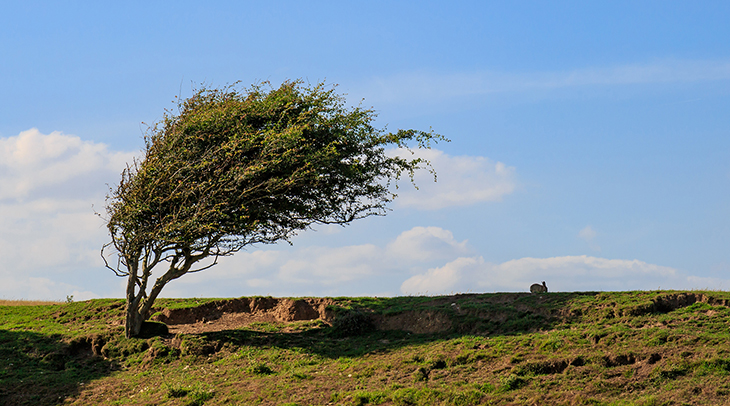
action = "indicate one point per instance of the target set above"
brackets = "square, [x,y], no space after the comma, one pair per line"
[237,167]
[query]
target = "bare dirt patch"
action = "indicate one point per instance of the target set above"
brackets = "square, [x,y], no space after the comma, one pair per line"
[236,313]
[419,322]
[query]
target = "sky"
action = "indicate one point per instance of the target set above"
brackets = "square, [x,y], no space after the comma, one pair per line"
[590,141]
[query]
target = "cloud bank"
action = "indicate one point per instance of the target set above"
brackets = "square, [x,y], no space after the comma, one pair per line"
[567,273]
[50,185]
[50,240]
[424,261]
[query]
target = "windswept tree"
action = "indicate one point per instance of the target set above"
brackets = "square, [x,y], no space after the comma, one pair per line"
[239,167]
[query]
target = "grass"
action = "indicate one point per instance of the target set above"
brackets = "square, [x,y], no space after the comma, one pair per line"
[585,348]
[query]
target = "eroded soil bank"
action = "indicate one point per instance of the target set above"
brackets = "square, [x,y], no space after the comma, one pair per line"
[235,313]
[441,314]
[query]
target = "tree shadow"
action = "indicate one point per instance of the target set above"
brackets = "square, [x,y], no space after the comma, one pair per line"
[40,370]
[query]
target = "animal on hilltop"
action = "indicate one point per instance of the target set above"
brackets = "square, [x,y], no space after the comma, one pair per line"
[537,288]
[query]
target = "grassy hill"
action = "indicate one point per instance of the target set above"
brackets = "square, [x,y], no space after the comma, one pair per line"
[585,348]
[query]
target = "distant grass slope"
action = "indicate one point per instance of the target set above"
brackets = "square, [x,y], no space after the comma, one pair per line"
[584,348]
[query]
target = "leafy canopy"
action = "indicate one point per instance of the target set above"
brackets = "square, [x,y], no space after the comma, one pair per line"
[238,167]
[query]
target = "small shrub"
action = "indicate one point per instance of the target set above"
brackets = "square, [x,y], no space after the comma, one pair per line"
[153,329]
[353,322]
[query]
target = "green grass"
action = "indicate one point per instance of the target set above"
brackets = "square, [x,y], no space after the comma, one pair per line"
[584,348]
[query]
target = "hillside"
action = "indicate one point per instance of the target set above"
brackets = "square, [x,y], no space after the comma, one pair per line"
[585,348]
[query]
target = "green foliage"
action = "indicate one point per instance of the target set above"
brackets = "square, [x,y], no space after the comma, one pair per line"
[239,167]
[352,322]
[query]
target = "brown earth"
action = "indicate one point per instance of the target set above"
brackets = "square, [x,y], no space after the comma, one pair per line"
[235,313]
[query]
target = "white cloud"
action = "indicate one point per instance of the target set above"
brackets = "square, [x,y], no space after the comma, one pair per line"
[34,288]
[568,273]
[33,165]
[331,266]
[354,269]
[422,244]
[422,87]
[50,186]
[579,273]
[450,278]
[461,181]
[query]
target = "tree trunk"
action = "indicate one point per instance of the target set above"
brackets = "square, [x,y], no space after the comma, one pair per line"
[133,324]
[139,304]
[135,317]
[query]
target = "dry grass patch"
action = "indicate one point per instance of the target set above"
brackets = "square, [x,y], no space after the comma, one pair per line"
[24,302]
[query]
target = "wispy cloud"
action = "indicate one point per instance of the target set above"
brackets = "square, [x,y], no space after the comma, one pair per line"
[588,234]
[420,87]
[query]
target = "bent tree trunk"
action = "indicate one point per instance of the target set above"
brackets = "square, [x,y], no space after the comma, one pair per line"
[139,307]
[133,323]
[139,303]
[135,313]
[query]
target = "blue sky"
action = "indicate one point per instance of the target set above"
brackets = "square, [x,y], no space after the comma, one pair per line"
[590,140]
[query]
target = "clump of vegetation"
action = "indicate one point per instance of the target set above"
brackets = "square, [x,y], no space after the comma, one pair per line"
[352,322]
